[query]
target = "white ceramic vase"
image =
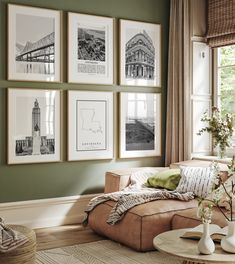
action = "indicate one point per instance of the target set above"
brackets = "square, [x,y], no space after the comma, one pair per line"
[228,242]
[206,245]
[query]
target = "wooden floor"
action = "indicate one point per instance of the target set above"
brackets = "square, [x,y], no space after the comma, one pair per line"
[62,236]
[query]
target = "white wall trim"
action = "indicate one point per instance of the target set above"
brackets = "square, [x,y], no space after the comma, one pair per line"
[46,212]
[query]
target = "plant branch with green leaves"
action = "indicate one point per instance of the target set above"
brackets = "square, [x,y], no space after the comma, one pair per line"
[221,192]
[220,127]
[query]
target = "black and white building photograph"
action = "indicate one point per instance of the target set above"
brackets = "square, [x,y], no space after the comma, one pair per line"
[37,143]
[90,49]
[34,42]
[140,53]
[34,117]
[91,44]
[140,124]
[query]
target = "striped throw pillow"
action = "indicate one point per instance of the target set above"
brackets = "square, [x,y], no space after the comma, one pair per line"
[198,180]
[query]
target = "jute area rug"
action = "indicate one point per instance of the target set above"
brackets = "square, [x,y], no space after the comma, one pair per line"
[101,252]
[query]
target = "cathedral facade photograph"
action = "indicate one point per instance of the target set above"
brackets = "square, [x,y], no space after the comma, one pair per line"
[140,57]
[140,53]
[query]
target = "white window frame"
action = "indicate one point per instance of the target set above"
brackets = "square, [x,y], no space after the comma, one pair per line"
[231,150]
[201,92]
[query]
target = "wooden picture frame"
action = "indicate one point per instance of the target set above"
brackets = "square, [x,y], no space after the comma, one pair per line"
[34,125]
[140,53]
[140,125]
[34,44]
[90,125]
[90,49]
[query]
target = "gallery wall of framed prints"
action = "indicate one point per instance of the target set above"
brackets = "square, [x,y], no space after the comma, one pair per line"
[33,125]
[34,44]
[90,125]
[140,125]
[140,53]
[34,114]
[90,49]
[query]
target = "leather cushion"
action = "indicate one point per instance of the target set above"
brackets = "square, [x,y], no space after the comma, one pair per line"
[189,219]
[140,224]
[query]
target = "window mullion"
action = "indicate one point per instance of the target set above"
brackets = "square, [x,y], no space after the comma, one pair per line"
[224,66]
[215,84]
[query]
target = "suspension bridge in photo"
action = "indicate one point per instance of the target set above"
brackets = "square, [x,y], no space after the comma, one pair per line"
[42,50]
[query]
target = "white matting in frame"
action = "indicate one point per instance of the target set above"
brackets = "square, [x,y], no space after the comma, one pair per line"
[140,53]
[90,125]
[34,44]
[140,125]
[33,125]
[90,49]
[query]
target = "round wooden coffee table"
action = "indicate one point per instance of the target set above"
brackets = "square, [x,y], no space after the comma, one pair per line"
[186,249]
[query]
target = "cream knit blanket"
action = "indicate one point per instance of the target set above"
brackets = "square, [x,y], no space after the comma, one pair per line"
[126,200]
[135,194]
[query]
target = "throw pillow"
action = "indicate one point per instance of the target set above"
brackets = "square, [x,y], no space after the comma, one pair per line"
[198,180]
[139,177]
[167,179]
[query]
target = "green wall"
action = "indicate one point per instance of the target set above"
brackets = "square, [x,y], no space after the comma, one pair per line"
[36,181]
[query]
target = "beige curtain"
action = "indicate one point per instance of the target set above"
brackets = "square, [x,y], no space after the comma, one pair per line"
[178,91]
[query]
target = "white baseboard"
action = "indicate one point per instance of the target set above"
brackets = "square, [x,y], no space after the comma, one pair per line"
[46,212]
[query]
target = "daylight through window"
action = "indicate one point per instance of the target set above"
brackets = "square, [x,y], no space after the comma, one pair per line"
[226,81]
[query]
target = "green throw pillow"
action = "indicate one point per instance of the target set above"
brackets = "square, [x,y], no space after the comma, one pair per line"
[167,179]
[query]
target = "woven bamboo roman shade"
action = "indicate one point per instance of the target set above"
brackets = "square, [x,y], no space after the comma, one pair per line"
[221,23]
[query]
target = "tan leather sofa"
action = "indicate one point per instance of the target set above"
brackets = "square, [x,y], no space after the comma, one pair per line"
[189,219]
[143,222]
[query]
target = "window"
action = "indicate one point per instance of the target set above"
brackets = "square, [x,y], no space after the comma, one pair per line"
[225,72]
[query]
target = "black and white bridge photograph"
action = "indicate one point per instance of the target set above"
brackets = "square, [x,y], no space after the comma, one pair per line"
[35,44]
